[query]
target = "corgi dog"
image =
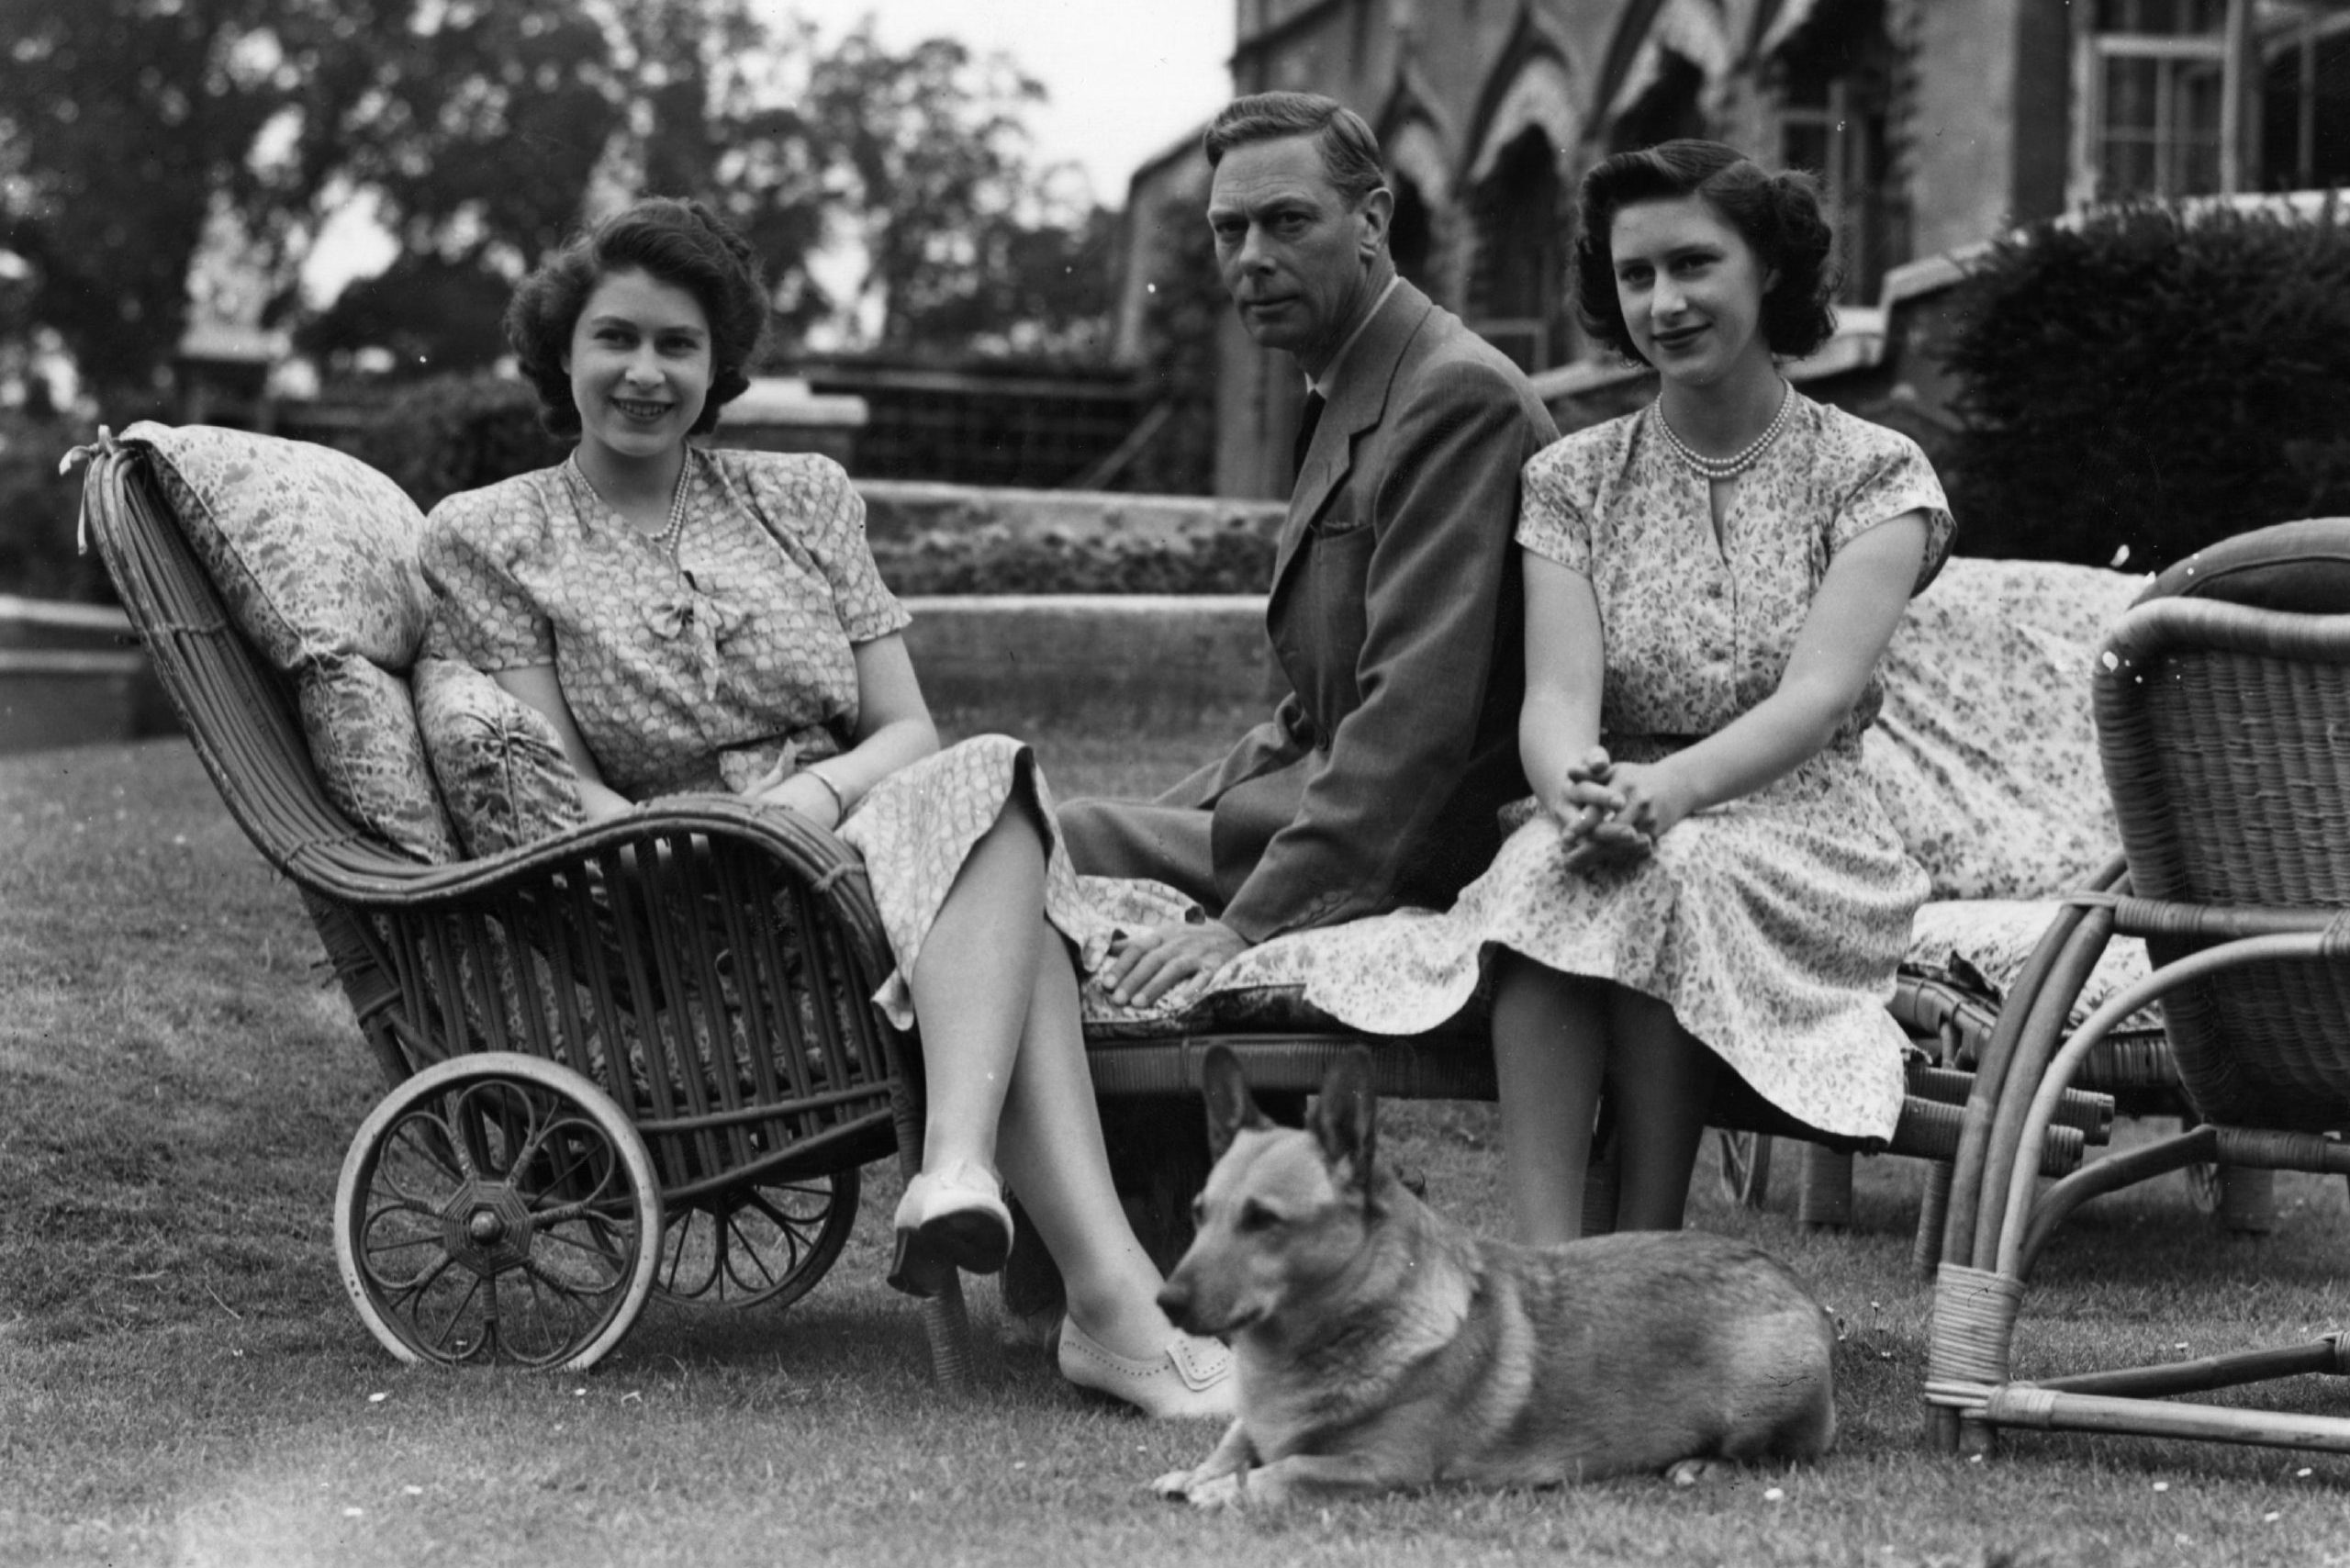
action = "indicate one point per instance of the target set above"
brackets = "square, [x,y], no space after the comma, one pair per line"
[1380,1346]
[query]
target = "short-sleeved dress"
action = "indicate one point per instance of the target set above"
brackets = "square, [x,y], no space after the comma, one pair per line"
[699,671]
[1771,924]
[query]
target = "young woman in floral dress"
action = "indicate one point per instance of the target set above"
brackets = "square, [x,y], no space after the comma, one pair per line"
[694,620]
[1705,879]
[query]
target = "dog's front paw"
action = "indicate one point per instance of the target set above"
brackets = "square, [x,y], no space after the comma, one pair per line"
[1174,1486]
[1216,1492]
[1695,1471]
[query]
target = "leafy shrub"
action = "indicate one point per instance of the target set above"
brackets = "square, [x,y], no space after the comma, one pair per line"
[1235,558]
[459,432]
[2158,378]
[39,509]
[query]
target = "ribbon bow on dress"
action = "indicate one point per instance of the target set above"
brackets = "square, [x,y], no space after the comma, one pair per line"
[702,621]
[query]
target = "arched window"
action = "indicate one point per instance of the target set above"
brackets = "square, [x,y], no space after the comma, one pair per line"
[1667,108]
[1516,287]
[1411,239]
[1835,81]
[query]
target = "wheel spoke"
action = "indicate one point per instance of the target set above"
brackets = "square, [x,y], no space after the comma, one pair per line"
[427,1144]
[764,1243]
[456,1313]
[747,1251]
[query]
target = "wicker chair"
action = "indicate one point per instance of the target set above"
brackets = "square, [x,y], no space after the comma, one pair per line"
[632,1059]
[2222,701]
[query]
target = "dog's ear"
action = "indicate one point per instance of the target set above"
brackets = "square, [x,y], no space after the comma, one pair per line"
[1231,1108]
[1345,1117]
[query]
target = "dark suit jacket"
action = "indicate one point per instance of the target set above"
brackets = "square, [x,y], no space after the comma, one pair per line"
[1397,616]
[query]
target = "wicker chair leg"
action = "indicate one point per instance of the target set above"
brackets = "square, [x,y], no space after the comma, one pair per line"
[1942,1430]
[2247,1199]
[1827,1198]
[1933,1212]
[949,1328]
[944,1320]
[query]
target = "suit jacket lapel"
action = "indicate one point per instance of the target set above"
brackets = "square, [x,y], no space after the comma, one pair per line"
[1361,403]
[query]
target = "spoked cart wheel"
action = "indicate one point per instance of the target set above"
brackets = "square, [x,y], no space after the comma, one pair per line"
[1746,1166]
[765,1244]
[498,1207]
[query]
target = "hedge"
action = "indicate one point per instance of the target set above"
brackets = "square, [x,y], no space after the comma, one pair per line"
[2157,379]
[460,432]
[39,509]
[1235,558]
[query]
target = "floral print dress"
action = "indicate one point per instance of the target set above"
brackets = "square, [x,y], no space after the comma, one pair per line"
[698,671]
[1771,925]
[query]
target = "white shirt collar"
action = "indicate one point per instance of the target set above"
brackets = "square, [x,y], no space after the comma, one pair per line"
[1329,376]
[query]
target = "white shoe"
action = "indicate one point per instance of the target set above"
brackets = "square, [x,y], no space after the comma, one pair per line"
[1190,1379]
[948,1220]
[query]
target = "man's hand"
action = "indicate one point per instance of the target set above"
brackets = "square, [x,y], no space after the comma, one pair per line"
[1150,963]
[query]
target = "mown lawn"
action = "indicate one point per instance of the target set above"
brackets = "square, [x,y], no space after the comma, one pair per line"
[181,1381]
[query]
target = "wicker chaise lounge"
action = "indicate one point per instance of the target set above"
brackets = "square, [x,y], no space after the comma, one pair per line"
[621,1059]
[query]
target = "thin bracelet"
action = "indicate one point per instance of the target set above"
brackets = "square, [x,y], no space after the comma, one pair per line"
[840,806]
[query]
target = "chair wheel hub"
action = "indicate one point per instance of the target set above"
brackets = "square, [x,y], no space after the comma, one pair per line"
[487,1227]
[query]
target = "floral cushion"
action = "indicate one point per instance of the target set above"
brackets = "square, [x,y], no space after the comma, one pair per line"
[315,553]
[1983,945]
[1986,753]
[502,771]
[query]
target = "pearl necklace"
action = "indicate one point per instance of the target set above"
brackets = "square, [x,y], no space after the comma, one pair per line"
[1732,466]
[675,528]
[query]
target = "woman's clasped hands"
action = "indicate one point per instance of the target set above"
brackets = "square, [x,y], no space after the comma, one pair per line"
[1612,813]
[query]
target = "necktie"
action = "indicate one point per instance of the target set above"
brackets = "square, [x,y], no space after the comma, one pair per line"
[1312,416]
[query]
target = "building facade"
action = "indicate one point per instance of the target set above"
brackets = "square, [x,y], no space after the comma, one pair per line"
[1933,124]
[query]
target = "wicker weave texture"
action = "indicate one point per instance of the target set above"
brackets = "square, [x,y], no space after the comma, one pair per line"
[2225,732]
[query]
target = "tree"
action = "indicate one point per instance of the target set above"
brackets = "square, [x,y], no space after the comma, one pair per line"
[123,127]
[1034,284]
[136,133]
[428,314]
[928,153]
[138,139]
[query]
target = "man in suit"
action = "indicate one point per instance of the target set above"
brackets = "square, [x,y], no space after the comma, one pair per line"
[1394,611]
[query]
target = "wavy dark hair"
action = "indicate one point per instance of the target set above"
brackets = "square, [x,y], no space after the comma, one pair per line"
[679,243]
[1779,215]
[1350,150]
